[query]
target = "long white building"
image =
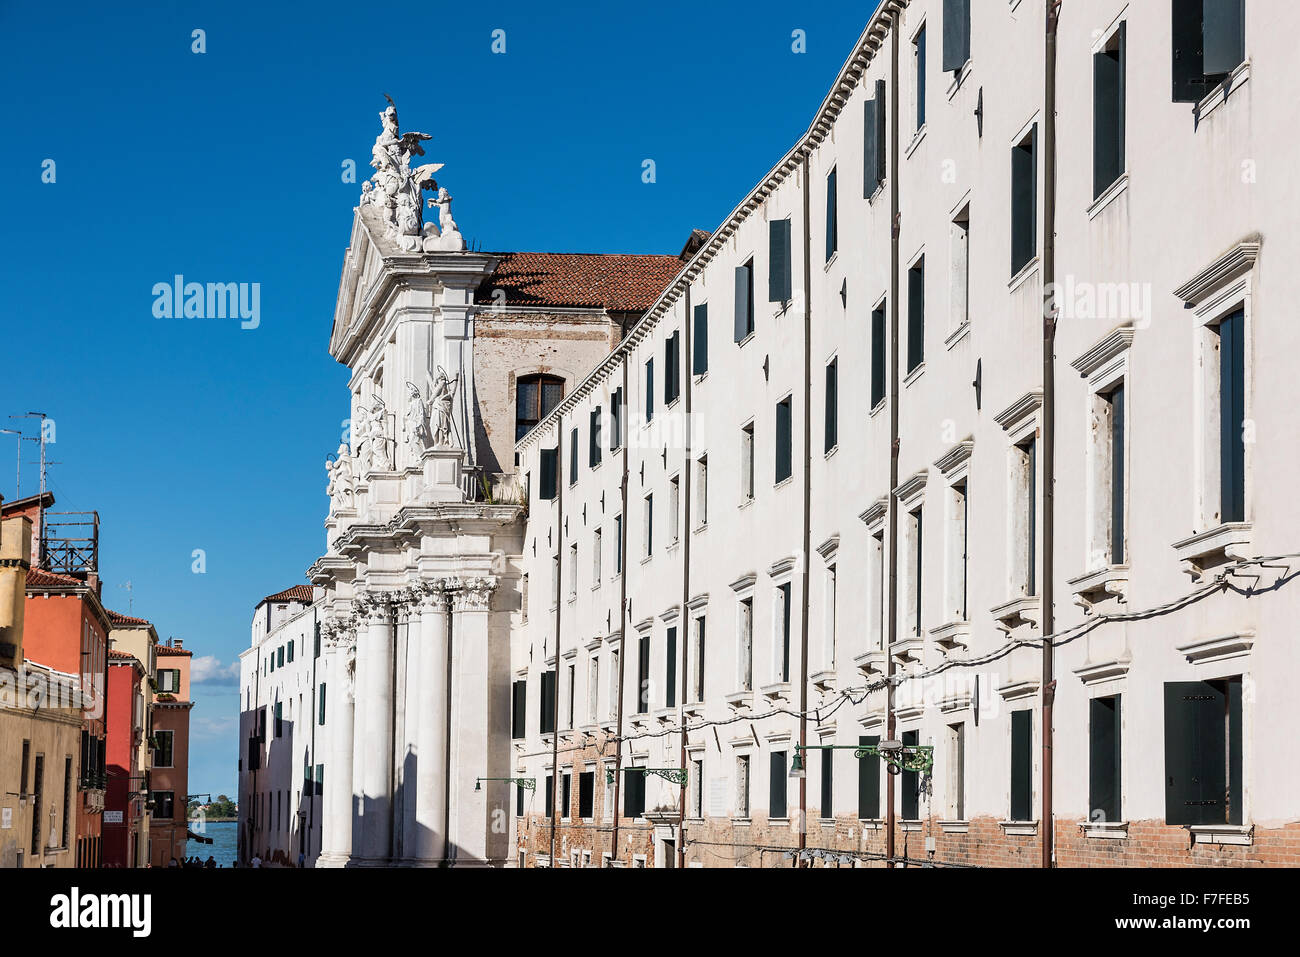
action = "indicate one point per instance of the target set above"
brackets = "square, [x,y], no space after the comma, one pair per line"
[993,353]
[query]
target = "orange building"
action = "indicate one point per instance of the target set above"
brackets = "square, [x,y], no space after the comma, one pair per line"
[169,779]
[124,835]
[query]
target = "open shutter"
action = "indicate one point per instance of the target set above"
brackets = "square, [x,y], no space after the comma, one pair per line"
[1190,85]
[870,148]
[700,341]
[550,468]
[616,420]
[743,305]
[1223,36]
[643,676]
[1103,759]
[1195,753]
[915,315]
[547,717]
[778,265]
[956,34]
[1234,751]
[670,680]
[868,781]
[1021,766]
[776,792]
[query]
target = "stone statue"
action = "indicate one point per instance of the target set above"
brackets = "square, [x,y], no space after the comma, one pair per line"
[447,236]
[340,488]
[379,455]
[440,399]
[396,188]
[415,421]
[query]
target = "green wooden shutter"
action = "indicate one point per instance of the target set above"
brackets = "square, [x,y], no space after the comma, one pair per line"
[1196,780]
[1232,416]
[1223,36]
[877,356]
[778,263]
[832,405]
[868,780]
[649,389]
[573,456]
[909,783]
[1104,759]
[832,214]
[1189,82]
[784,449]
[743,325]
[593,439]
[549,467]
[956,34]
[547,716]
[321,718]
[776,800]
[670,682]
[519,711]
[916,315]
[828,784]
[1235,784]
[1108,115]
[1022,763]
[700,340]
[1024,202]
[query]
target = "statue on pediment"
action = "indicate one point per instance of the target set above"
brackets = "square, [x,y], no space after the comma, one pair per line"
[396,189]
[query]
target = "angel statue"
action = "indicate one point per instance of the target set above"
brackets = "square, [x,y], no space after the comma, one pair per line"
[397,188]
[444,390]
[415,421]
[380,457]
[340,488]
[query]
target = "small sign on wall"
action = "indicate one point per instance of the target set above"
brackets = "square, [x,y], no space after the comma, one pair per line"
[112,817]
[6,818]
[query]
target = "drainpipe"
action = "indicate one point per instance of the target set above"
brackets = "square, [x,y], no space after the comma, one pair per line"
[559,581]
[622,620]
[1049,417]
[684,620]
[891,625]
[807,505]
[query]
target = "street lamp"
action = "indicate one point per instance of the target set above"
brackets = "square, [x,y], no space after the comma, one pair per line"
[675,775]
[898,757]
[528,784]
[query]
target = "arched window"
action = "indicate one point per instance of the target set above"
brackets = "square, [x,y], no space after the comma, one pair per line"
[535,397]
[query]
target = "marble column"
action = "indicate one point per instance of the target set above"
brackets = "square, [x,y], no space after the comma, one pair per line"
[479,819]
[375,685]
[337,834]
[430,691]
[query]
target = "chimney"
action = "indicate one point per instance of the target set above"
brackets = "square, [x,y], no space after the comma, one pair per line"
[177,643]
[15,549]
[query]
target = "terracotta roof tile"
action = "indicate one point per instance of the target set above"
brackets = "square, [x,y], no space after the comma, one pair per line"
[296,593]
[169,650]
[115,655]
[39,578]
[117,618]
[619,283]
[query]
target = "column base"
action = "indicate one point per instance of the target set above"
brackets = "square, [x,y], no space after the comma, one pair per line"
[333,860]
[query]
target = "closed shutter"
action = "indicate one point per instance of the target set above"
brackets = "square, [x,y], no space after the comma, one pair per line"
[633,792]
[784,464]
[547,716]
[828,784]
[1235,793]
[670,683]
[956,34]
[1104,759]
[877,356]
[909,783]
[550,796]
[519,710]
[744,308]
[1196,779]
[586,794]
[776,790]
[868,780]
[1108,82]
[321,719]
[1022,760]
[1024,202]
[778,264]
[916,315]
[593,439]
[1232,416]
[1190,85]
[573,456]
[700,341]
[1224,36]
[832,405]
[519,800]
[649,389]
[832,214]
[550,469]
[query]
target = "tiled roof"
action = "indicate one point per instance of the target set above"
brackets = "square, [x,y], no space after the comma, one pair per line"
[115,655]
[39,578]
[169,650]
[296,593]
[117,618]
[619,283]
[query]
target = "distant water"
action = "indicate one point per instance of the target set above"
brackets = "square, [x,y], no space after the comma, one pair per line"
[224,846]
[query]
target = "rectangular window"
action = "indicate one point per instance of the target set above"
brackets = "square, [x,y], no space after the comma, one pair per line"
[164,806]
[633,793]
[1232,417]
[958,559]
[618,544]
[878,347]
[959,241]
[67,799]
[1027,461]
[587,795]
[747,463]
[320,719]
[829,619]
[279,719]
[566,795]
[918,59]
[593,689]
[648,525]
[164,748]
[778,261]
[699,660]
[1113,409]
[613,683]
[572,687]
[550,797]
[320,780]
[915,561]
[573,570]
[745,643]
[874,141]
[876,585]
[280,657]
[290,657]
[596,549]
[776,803]
[828,784]
[643,676]
[783,622]
[1108,90]
[1203,746]
[672,367]
[697,789]
[744,301]
[832,215]
[784,440]
[169,680]
[616,408]
[742,785]
[670,677]
[519,804]
[674,508]
[832,436]
[649,389]
[1024,201]
[1022,764]
[1209,42]
[24,777]
[869,781]
[573,457]
[547,716]
[909,783]
[549,467]
[1104,759]
[956,34]
[316,642]
[700,340]
[916,315]
[702,491]
[957,771]
[594,447]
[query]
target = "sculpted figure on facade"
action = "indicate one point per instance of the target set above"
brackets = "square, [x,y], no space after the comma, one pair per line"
[415,421]
[395,188]
[447,236]
[379,455]
[340,488]
[441,396]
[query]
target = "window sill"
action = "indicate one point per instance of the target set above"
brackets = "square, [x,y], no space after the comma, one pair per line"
[824,680]
[749,336]
[1219,95]
[740,699]
[788,480]
[596,587]
[917,138]
[1025,610]
[871,823]
[1095,587]
[873,662]
[1019,828]
[831,262]
[911,825]
[1108,196]
[693,710]
[914,375]
[746,502]
[1223,834]
[646,560]
[877,409]
[1214,546]
[1104,830]
[672,403]
[780,689]
[700,528]
[955,827]
[952,637]
[1020,278]
[907,650]
[957,335]
[741,821]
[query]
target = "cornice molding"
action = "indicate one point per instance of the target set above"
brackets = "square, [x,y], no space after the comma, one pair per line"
[1240,258]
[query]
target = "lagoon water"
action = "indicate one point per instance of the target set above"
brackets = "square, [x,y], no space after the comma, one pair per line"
[224,846]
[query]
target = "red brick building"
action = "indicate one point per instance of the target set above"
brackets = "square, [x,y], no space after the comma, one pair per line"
[124,836]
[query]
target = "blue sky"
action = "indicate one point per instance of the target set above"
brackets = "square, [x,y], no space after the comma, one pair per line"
[226,166]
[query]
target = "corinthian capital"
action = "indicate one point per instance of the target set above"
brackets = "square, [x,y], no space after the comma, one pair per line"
[475,594]
[433,594]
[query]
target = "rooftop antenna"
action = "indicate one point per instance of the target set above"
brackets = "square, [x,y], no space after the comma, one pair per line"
[44,464]
[130,598]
